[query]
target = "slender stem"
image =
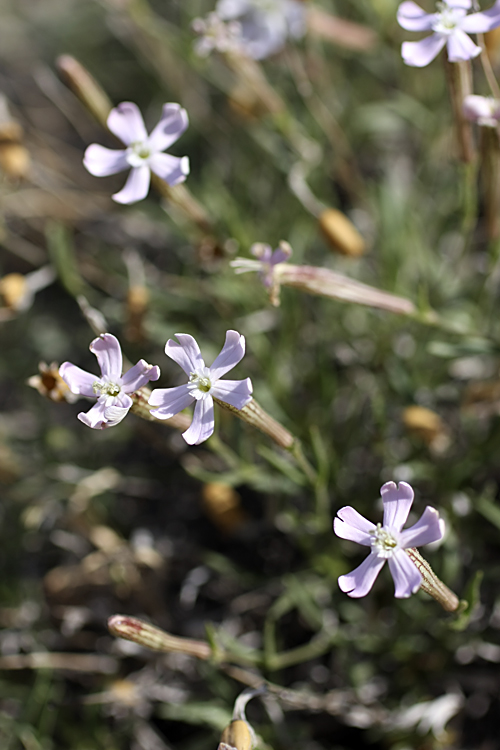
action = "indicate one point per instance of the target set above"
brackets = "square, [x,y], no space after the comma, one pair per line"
[488,70]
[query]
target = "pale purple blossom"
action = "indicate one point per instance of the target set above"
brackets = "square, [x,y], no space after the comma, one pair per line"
[216,34]
[387,541]
[482,109]
[143,152]
[112,389]
[204,384]
[265,24]
[267,259]
[451,25]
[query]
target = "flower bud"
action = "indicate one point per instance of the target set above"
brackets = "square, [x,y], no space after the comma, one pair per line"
[341,234]
[239,735]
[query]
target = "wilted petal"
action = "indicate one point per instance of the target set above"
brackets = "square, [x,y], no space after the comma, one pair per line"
[407,579]
[351,525]
[173,123]
[170,401]
[137,186]
[78,381]
[139,375]
[419,54]
[102,162]
[238,393]
[232,352]
[202,425]
[95,417]
[413,18]
[397,504]
[461,47]
[187,353]
[429,528]
[109,356]
[126,122]
[479,23]
[170,168]
[360,581]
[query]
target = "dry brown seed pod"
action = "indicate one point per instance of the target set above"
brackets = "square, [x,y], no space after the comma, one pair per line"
[15,160]
[238,735]
[341,234]
[423,422]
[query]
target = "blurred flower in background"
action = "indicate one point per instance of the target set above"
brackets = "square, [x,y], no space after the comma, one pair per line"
[482,109]
[216,35]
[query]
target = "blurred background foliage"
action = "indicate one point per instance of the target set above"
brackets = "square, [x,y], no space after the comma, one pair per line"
[230,535]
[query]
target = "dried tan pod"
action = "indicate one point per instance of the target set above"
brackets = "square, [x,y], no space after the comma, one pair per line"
[50,384]
[222,505]
[341,234]
[15,160]
[239,735]
[423,422]
[13,289]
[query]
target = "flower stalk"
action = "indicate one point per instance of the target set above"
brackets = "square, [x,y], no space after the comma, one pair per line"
[490,168]
[431,584]
[459,77]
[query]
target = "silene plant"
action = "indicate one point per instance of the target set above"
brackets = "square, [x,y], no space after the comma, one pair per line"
[451,24]
[389,542]
[143,153]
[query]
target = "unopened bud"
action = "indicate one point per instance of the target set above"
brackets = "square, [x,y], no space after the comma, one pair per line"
[341,234]
[156,639]
[239,735]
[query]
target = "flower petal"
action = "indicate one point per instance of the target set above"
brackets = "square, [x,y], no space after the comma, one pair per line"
[139,375]
[170,401]
[461,47]
[413,18]
[101,161]
[230,9]
[479,23]
[170,168]
[202,425]
[421,53]
[137,186]
[351,525]
[173,123]
[126,122]
[429,528]
[94,418]
[407,579]
[238,393]
[186,353]
[232,352]
[108,351]
[78,381]
[360,581]
[397,504]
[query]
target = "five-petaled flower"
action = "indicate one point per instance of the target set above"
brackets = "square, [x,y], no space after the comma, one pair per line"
[112,389]
[450,24]
[143,152]
[387,541]
[265,24]
[204,384]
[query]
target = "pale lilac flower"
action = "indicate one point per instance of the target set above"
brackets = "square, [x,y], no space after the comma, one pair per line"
[267,260]
[143,153]
[112,389]
[265,24]
[482,109]
[387,541]
[216,34]
[450,24]
[204,384]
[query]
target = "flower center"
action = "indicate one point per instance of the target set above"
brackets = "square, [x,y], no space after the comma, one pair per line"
[383,541]
[448,19]
[138,153]
[200,381]
[101,388]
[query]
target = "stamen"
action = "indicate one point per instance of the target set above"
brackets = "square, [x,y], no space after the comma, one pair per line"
[105,389]
[384,543]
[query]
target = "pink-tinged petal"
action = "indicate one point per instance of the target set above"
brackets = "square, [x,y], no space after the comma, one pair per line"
[407,579]
[262,251]
[170,168]
[412,18]
[360,581]
[461,47]
[101,161]
[173,123]
[397,504]
[186,353]
[78,381]
[108,351]
[351,525]
[232,352]
[238,393]
[137,186]
[479,23]
[429,528]
[419,54]
[139,375]
[202,425]
[95,418]
[170,401]
[125,121]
